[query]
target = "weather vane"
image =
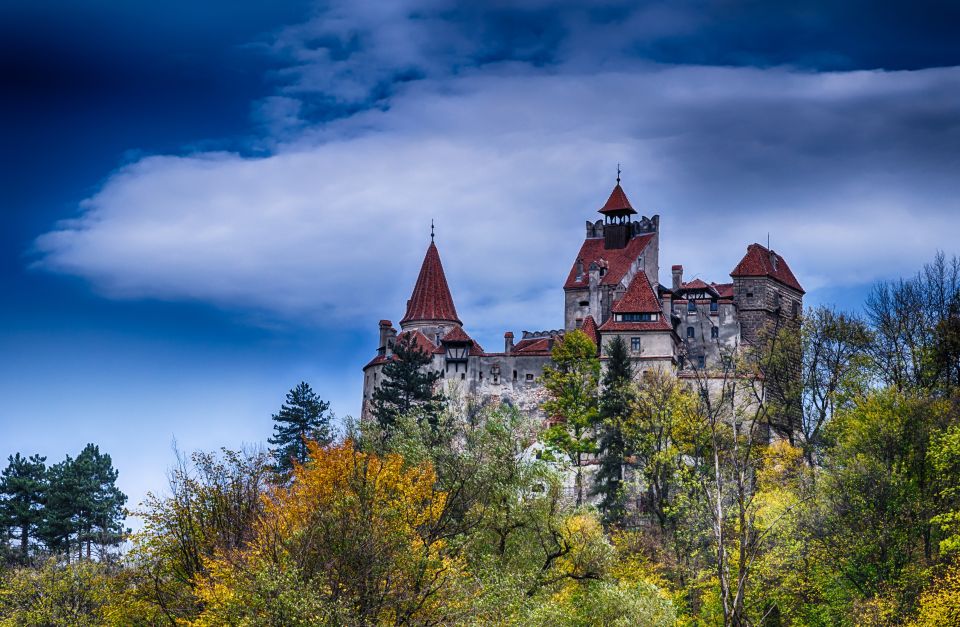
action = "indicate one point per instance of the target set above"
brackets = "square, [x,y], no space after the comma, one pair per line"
[618,174]
[431,230]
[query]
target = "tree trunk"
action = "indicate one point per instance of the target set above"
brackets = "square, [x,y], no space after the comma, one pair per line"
[24,540]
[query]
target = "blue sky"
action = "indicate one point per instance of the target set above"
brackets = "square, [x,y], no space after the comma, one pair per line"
[205,203]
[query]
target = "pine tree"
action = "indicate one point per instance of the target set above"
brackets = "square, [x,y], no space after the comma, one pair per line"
[83,506]
[99,504]
[59,521]
[23,487]
[616,398]
[303,417]
[408,387]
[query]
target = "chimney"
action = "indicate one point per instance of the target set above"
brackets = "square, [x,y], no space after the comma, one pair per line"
[387,333]
[677,277]
[508,342]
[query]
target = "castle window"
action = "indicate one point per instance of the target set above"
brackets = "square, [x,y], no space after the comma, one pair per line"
[463,376]
[796,309]
[714,306]
[635,344]
[701,361]
[514,375]
[637,317]
[749,294]
[579,322]
[714,333]
[529,377]
[584,303]
[690,332]
[691,306]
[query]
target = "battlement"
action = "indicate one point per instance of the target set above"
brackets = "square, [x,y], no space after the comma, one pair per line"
[595,230]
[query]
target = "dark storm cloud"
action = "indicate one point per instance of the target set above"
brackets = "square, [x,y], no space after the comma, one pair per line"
[356,51]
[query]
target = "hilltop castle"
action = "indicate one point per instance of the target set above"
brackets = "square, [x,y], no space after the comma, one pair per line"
[612,289]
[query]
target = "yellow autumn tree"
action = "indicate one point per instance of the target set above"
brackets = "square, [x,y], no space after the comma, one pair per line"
[356,539]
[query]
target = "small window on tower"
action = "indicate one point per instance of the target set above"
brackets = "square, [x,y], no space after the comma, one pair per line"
[514,375]
[714,306]
[579,322]
[701,361]
[690,332]
[796,309]
[691,306]
[584,303]
[635,344]
[529,377]
[714,332]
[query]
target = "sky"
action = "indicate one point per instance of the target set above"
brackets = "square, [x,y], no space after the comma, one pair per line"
[206,203]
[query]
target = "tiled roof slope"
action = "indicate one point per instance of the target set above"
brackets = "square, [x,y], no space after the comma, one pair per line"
[457,334]
[431,299]
[617,203]
[658,325]
[757,262]
[589,327]
[618,260]
[639,297]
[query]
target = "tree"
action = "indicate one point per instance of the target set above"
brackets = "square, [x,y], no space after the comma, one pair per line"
[84,507]
[60,514]
[99,506]
[817,371]
[616,399]
[408,386]
[23,486]
[303,417]
[212,508]
[572,384]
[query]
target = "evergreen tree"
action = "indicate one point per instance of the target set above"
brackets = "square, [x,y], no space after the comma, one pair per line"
[303,417]
[408,386]
[84,507]
[616,398]
[22,487]
[60,522]
[99,506]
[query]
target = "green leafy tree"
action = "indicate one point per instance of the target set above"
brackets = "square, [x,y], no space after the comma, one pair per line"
[408,386]
[616,399]
[22,486]
[572,384]
[303,417]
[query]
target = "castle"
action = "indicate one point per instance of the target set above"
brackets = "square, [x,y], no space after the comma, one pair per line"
[612,289]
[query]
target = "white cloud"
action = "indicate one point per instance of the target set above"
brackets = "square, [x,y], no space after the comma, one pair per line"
[853,174]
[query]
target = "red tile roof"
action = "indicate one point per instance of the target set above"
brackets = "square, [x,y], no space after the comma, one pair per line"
[420,340]
[658,325]
[589,327]
[639,297]
[696,284]
[617,203]
[431,299]
[457,334]
[725,290]
[760,262]
[533,346]
[618,260]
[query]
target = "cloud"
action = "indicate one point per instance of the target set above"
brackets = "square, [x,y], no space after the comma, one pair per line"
[853,175]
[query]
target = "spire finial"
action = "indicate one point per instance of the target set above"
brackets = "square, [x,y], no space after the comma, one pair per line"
[618,174]
[431,230]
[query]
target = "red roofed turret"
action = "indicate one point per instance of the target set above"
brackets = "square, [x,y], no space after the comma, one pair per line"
[617,204]
[431,299]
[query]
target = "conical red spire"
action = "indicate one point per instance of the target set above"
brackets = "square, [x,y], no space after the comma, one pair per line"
[617,204]
[431,299]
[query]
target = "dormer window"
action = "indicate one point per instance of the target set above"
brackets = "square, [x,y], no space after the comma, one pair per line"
[637,317]
[457,352]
